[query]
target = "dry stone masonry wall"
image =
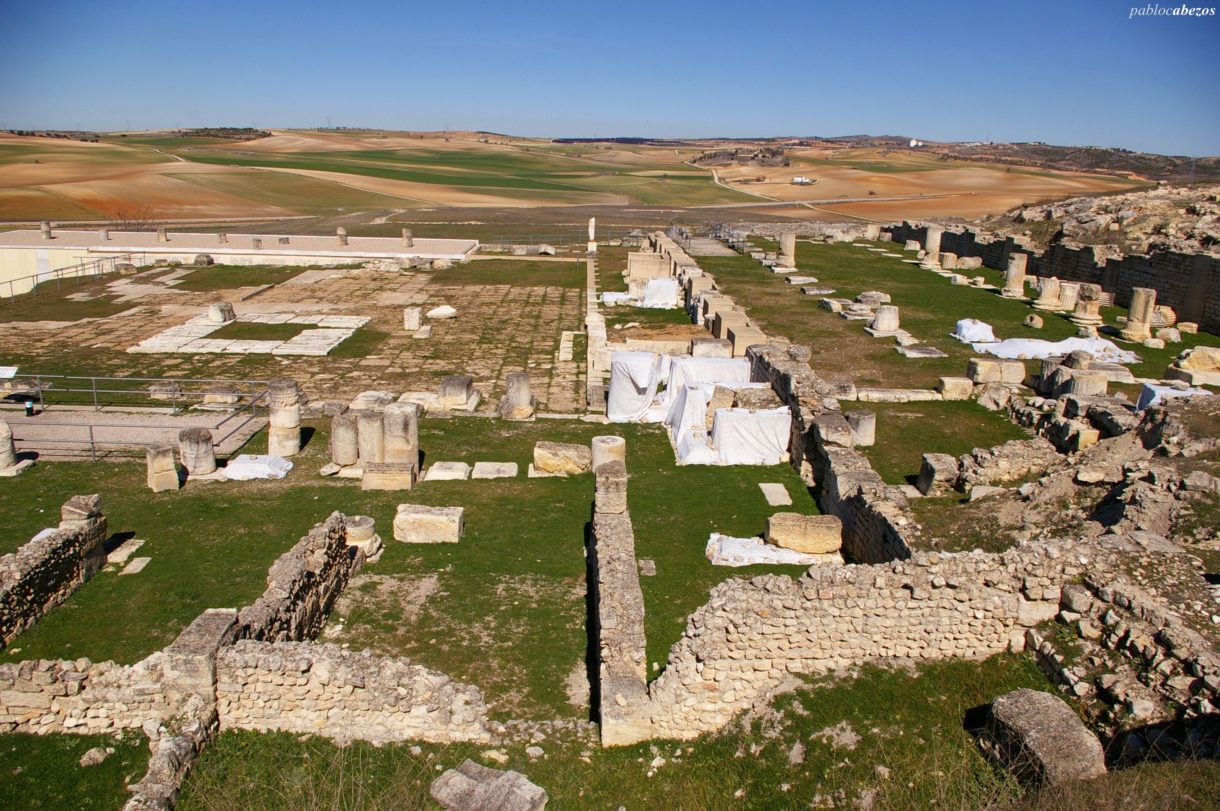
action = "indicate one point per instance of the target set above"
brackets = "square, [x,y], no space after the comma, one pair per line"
[46,570]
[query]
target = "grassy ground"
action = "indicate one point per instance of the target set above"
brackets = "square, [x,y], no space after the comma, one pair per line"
[227,277]
[254,331]
[910,723]
[906,431]
[518,273]
[49,301]
[297,193]
[44,771]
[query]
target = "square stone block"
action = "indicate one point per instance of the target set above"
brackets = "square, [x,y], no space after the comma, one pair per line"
[417,523]
[744,337]
[494,470]
[447,471]
[809,534]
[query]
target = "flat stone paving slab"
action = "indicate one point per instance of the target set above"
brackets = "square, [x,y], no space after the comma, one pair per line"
[494,470]
[776,494]
[447,471]
[919,352]
[136,566]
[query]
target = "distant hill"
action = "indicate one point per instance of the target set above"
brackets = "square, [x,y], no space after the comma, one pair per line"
[1093,159]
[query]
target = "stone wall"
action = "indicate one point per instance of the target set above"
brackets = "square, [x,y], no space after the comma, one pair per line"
[618,601]
[302,586]
[80,696]
[1189,283]
[753,636]
[46,570]
[877,523]
[325,690]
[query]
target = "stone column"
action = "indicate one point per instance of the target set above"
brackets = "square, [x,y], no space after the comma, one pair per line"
[46,229]
[8,453]
[370,437]
[408,239]
[592,235]
[256,243]
[162,234]
[1069,294]
[931,247]
[341,233]
[1014,277]
[162,475]
[196,452]
[401,427]
[518,404]
[1143,300]
[1048,293]
[886,319]
[105,234]
[284,408]
[344,447]
[608,449]
[221,313]
[1087,313]
[872,232]
[787,249]
[222,238]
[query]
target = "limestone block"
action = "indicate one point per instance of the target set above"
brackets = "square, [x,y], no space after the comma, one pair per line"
[832,428]
[162,474]
[984,370]
[344,444]
[993,396]
[726,319]
[518,403]
[494,470]
[937,474]
[809,534]
[558,457]
[412,318]
[447,471]
[442,312]
[456,390]
[417,523]
[401,429]
[863,427]
[361,533]
[1088,384]
[1200,359]
[744,337]
[8,454]
[1040,739]
[955,388]
[370,436]
[711,348]
[388,475]
[472,786]
[221,312]
[1170,335]
[1012,371]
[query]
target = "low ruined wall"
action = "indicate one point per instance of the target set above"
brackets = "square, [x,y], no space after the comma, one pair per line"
[325,690]
[302,586]
[877,523]
[1189,283]
[752,636]
[80,696]
[615,592]
[44,572]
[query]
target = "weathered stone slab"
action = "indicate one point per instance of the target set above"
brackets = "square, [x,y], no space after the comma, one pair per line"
[494,470]
[808,534]
[417,523]
[472,787]
[955,388]
[388,476]
[776,494]
[1041,740]
[447,471]
[562,458]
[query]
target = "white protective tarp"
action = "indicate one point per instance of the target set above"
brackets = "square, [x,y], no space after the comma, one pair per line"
[660,294]
[633,385]
[972,330]
[252,466]
[1152,394]
[686,419]
[685,370]
[1032,348]
[744,437]
[723,550]
[612,299]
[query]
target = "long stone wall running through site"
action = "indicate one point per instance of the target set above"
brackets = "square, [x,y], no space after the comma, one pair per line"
[45,571]
[1189,283]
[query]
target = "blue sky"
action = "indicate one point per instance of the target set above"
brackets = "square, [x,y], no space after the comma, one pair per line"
[1064,73]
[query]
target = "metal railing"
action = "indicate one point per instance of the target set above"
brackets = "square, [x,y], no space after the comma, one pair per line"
[79,273]
[180,393]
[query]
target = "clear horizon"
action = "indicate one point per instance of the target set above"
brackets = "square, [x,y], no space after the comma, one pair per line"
[1086,75]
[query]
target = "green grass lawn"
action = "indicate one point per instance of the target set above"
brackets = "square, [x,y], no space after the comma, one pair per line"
[299,193]
[255,331]
[228,277]
[49,301]
[518,273]
[910,723]
[44,771]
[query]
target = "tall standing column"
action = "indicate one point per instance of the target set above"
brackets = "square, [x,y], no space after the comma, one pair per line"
[370,437]
[402,433]
[931,247]
[1139,316]
[787,249]
[1014,277]
[592,235]
[284,407]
